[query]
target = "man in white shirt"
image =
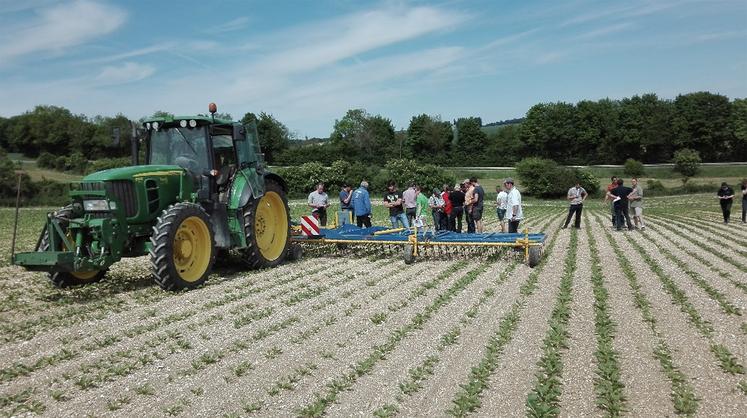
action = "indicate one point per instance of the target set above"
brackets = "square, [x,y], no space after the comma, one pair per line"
[502,203]
[319,202]
[576,195]
[514,212]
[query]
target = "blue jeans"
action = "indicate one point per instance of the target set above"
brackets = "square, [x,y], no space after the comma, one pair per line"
[401,218]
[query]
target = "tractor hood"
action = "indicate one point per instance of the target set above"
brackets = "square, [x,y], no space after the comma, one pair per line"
[130,173]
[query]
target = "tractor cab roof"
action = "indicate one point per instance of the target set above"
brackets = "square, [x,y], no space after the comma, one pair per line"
[200,119]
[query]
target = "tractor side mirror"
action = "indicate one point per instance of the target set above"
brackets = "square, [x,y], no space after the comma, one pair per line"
[239,133]
[116,136]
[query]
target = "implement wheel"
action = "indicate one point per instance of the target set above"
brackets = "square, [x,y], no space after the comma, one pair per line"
[62,278]
[295,252]
[535,255]
[183,250]
[408,255]
[267,228]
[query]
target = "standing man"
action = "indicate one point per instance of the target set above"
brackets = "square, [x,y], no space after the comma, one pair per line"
[636,203]
[436,203]
[346,206]
[502,203]
[457,208]
[612,185]
[726,197]
[619,196]
[421,202]
[410,199]
[469,201]
[393,201]
[319,202]
[576,195]
[361,203]
[744,199]
[477,206]
[515,213]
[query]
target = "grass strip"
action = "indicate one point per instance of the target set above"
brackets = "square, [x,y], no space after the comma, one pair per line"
[713,293]
[544,399]
[702,244]
[608,386]
[727,361]
[684,400]
[365,366]
[467,399]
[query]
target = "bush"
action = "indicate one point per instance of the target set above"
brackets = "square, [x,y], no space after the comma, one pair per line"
[60,163]
[76,162]
[634,168]
[687,162]
[545,178]
[46,160]
[654,186]
[404,172]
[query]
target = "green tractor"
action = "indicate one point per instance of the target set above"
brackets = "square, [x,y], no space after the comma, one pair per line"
[202,190]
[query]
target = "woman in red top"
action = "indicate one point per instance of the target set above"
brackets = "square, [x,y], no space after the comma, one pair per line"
[447,207]
[607,196]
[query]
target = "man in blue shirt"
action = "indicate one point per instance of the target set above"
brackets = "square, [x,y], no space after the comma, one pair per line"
[361,204]
[346,207]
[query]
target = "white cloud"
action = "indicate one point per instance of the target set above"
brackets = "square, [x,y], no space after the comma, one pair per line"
[232,25]
[125,73]
[60,27]
[328,42]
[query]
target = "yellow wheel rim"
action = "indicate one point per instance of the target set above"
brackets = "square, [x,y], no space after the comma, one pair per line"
[192,248]
[271,226]
[80,275]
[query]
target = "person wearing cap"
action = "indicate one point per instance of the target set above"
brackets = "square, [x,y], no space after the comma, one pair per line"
[361,203]
[515,213]
[726,196]
[437,204]
[456,197]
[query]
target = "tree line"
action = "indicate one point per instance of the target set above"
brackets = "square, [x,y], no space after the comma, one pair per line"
[645,128]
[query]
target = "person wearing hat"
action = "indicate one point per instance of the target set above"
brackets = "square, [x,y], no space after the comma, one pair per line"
[457,207]
[726,196]
[437,204]
[515,213]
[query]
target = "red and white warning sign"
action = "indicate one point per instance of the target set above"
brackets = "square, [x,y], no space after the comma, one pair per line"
[310,226]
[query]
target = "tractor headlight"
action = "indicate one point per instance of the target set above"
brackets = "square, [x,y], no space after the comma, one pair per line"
[183,123]
[192,123]
[100,205]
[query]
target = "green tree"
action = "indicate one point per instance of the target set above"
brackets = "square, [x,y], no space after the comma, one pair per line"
[549,131]
[365,137]
[701,122]
[738,127]
[49,128]
[469,142]
[504,146]
[687,162]
[429,138]
[274,136]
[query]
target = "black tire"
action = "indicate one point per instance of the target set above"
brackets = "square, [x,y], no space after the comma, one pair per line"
[535,255]
[253,254]
[64,279]
[167,238]
[295,252]
[407,254]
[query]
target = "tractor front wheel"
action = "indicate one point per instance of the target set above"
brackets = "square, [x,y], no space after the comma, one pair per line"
[183,244]
[267,228]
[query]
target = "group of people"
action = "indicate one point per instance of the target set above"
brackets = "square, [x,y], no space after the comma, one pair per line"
[623,199]
[448,207]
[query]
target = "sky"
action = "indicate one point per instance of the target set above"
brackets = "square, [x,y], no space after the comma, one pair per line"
[308,62]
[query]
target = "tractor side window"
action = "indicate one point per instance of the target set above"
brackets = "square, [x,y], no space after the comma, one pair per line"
[248,150]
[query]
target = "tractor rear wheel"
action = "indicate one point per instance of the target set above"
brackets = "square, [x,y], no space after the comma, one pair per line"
[64,279]
[183,244]
[267,228]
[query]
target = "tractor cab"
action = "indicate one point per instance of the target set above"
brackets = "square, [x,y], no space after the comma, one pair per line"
[211,150]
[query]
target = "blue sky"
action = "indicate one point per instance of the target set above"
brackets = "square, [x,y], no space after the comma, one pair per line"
[307,62]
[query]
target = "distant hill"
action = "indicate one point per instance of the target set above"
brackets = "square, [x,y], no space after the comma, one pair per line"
[494,126]
[307,142]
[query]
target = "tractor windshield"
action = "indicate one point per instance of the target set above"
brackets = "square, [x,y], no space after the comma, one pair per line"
[184,147]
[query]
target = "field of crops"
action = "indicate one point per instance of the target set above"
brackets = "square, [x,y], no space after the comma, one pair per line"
[611,323]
